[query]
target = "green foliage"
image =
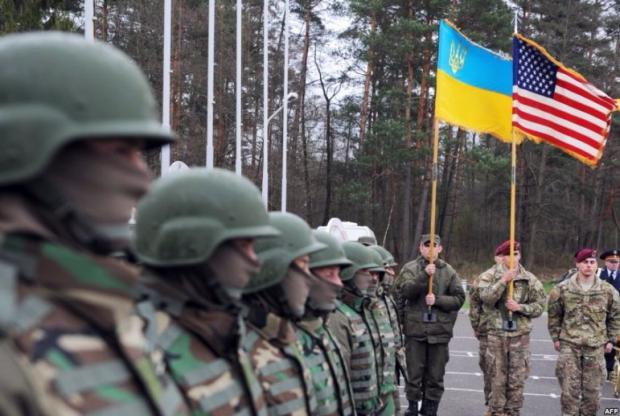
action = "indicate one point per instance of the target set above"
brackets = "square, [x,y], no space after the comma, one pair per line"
[27,15]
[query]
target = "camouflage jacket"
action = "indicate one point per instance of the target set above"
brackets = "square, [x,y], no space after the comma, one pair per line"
[528,292]
[279,365]
[70,316]
[387,340]
[412,284]
[330,377]
[348,326]
[399,340]
[203,351]
[479,320]
[581,317]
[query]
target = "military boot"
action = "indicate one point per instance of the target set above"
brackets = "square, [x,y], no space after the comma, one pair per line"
[412,410]
[429,407]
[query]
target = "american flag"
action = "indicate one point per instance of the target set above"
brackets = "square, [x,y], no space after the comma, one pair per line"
[557,105]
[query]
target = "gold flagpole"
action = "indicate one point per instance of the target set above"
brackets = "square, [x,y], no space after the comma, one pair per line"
[433,199]
[513,203]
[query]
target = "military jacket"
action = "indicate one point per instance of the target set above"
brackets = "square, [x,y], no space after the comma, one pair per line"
[279,365]
[394,316]
[204,353]
[387,343]
[527,291]
[479,320]
[412,284]
[588,318]
[330,378]
[352,333]
[70,316]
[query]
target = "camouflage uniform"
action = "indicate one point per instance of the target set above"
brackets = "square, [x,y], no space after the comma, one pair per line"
[583,321]
[386,340]
[428,339]
[325,361]
[70,316]
[479,323]
[348,325]
[279,365]
[399,341]
[507,356]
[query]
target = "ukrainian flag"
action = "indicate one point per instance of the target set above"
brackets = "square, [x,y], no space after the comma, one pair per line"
[474,85]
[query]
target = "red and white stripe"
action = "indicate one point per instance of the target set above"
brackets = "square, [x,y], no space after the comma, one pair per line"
[576,119]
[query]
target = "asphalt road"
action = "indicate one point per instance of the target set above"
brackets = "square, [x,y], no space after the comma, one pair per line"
[463,381]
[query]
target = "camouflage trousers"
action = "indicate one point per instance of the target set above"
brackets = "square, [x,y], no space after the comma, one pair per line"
[580,373]
[482,362]
[508,363]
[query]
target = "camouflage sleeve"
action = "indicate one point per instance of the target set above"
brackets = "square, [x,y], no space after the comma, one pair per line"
[492,293]
[613,317]
[536,301]
[339,327]
[555,311]
[475,306]
[412,285]
[454,297]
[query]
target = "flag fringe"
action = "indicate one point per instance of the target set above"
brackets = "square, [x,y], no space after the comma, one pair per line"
[477,131]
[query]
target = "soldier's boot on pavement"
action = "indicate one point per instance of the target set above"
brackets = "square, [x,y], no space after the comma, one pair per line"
[412,410]
[429,407]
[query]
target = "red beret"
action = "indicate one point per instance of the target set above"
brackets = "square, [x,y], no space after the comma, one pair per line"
[504,248]
[584,253]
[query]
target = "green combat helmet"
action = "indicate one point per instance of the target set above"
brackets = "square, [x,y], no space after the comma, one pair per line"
[388,258]
[58,88]
[276,254]
[186,216]
[360,257]
[332,255]
[377,261]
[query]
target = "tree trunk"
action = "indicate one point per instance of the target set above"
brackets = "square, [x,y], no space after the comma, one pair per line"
[367,78]
[532,245]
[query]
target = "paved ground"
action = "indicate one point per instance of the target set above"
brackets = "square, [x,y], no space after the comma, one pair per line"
[464,397]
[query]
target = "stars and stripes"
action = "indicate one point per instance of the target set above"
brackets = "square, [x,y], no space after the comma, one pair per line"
[557,105]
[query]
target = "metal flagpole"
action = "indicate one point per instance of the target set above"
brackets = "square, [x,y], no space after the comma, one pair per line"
[165,102]
[265,183]
[285,107]
[238,92]
[210,66]
[429,316]
[89,19]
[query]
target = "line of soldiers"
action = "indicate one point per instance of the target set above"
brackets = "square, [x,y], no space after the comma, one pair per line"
[220,308]
[583,322]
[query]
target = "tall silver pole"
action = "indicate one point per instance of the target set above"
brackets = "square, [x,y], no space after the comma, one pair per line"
[265,184]
[285,108]
[165,102]
[210,51]
[238,93]
[89,19]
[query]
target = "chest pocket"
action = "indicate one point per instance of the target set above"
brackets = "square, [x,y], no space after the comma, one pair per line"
[521,291]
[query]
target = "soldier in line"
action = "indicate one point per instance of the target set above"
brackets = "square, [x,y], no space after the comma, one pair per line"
[194,234]
[385,344]
[611,275]
[277,297]
[507,354]
[480,323]
[350,325]
[427,342]
[321,351]
[384,293]
[67,308]
[584,320]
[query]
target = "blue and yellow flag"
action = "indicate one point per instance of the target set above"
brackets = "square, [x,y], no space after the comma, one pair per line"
[474,85]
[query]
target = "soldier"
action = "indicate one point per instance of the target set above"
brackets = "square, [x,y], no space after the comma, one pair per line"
[384,293]
[584,318]
[321,350]
[479,323]
[426,340]
[75,116]
[610,274]
[507,355]
[195,233]
[277,296]
[384,338]
[350,324]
